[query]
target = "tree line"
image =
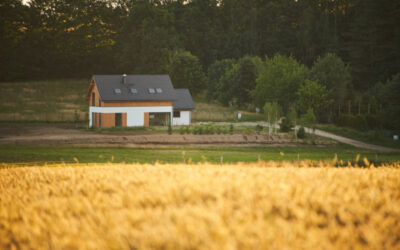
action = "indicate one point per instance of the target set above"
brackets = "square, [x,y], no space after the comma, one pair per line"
[344,52]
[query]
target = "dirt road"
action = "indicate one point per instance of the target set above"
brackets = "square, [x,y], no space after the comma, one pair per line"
[67,134]
[352,142]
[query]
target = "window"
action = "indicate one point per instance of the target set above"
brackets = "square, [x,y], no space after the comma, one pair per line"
[133,91]
[117,91]
[159,90]
[93,99]
[118,119]
[177,114]
[152,91]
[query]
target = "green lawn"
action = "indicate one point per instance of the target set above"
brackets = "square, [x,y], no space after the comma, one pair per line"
[373,137]
[41,154]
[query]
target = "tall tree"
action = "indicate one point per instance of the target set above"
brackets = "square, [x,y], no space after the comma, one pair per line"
[147,38]
[186,71]
[278,81]
[331,72]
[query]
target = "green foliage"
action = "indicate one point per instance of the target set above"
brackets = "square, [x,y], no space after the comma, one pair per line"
[312,96]
[390,98]
[272,111]
[258,128]
[309,118]
[215,72]
[331,72]
[357,122]
[278,81]
[248,131]
[231,129]
[285,125]
[186,72]
[147,37]
[301,133]
[239,79]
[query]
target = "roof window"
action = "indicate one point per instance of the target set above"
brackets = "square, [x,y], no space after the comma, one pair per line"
[117,91]
[133,91]
[159,90]
[152,91]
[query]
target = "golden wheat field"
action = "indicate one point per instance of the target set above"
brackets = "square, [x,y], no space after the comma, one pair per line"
[267,205]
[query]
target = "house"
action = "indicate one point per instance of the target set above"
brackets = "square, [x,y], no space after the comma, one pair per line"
[137,100]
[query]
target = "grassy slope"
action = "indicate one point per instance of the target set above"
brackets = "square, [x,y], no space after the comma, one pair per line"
[18,153]
[368,137]
[57,101]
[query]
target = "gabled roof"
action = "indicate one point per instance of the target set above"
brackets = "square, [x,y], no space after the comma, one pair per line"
[184,100]
[106,84]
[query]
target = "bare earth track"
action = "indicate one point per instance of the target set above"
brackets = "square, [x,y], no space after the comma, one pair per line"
[67,134]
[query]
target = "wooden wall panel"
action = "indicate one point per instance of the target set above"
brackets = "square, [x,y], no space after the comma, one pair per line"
[146,119]
[97,101]
[136,104]
[124,120]
[95,120]
[107,120]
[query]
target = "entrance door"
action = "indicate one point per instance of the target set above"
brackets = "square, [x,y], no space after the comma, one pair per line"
[159,119]
[118,119]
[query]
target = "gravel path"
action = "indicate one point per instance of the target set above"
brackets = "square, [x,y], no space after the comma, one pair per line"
[318,132]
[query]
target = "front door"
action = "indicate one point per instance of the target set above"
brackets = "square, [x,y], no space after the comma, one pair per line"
[118,119]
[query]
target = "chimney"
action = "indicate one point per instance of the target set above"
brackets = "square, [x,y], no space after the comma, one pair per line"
[124,78]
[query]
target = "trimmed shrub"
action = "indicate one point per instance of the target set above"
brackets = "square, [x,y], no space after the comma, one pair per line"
[301,133]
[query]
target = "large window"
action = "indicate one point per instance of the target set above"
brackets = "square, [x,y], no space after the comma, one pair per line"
[159,119]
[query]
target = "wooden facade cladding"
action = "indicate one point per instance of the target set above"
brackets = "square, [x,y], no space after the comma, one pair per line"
[107,120]
[93,89]
[146,119]
[137,104]
[124,120]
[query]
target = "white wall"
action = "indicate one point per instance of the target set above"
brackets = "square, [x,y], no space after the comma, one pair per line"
[134,115]
[183,120]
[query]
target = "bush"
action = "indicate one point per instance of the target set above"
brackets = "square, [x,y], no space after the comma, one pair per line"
[188,130]
[231,129]
[248,131]
[285,125]
[181,130]
[259,128]
[301,133]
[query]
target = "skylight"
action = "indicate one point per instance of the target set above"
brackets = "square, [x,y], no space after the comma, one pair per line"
[152,91]
[117,91]
[133,91]
[159,90]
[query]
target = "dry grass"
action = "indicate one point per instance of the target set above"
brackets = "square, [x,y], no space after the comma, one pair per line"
[244,206]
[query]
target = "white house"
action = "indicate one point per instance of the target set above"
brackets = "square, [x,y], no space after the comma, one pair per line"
[137,100]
